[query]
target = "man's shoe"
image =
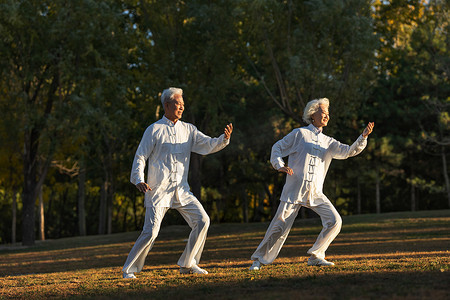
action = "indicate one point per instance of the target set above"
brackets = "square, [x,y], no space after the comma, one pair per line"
[194,270]
[129,276]
[255,266]
[316,261]
[197,270]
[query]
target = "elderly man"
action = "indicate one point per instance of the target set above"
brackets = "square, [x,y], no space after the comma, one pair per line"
[310,153]
[167,145]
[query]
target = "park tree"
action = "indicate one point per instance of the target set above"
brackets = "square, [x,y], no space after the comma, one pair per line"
[430,44]
[10,162]
[76,96]
[48,50]
[410,95]
[297,51]
[190,45]
[302,50]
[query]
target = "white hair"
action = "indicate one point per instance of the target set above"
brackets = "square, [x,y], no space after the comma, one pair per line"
[167,94]
[313,106]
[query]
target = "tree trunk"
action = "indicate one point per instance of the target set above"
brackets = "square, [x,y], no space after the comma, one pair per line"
[135,213]
[444,169]
[358,197]
[109,205]
[259,203]
[81,200]
[30,162]
[102,208]
[125,215]
[14,202]
[377,187]
[255,208]
[50,202]
[244,205]
[413,197]
[14,216]
[62,210]
[29,187]
[109,216]
[41,216]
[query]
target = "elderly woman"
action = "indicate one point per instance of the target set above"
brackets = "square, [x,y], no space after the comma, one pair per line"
[310,153]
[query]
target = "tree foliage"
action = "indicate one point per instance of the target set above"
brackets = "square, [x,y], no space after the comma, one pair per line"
[80,81]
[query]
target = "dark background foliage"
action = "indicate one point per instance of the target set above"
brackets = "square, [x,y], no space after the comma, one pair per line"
[81,80]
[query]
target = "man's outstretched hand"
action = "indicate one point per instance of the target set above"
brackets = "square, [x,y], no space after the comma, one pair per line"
[368,129]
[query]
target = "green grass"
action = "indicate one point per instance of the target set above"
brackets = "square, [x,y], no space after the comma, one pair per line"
[388,256]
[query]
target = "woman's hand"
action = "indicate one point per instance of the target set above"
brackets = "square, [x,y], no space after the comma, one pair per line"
[228,130]
[286,170]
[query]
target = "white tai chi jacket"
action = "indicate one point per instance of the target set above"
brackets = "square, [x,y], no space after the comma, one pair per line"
[310,153]
[167,147]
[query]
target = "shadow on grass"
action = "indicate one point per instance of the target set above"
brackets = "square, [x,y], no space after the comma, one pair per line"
[387,235]
[385,285]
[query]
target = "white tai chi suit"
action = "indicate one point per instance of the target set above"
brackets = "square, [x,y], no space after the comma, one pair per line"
[167,146]
[310,153]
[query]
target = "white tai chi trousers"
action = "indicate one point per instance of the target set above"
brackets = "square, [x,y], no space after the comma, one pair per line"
[194,214]
[282,222]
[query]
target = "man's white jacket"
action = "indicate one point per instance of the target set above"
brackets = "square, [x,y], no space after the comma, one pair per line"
[167,146]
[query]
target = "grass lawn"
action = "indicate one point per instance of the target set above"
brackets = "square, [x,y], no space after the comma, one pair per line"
[386,256]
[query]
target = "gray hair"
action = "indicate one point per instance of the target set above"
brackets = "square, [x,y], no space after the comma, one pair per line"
[313,106]
[168,94]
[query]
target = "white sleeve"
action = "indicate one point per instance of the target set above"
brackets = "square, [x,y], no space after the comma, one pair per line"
[142,154]
[343,151]
[283,148]
[203,144]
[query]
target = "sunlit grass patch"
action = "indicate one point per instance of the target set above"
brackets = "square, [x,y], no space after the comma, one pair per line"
[376,257]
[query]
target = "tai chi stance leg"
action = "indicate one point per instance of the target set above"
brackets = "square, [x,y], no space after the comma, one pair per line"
[136,258]
[279,229]
[197,218]
[276,235]
[332,223]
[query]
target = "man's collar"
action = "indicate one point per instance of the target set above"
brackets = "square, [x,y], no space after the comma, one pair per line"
[168,122]
[314,129]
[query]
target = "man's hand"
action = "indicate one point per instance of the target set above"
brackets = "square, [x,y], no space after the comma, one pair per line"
[228,130]
[368,129]
[286,170]
[143,187]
